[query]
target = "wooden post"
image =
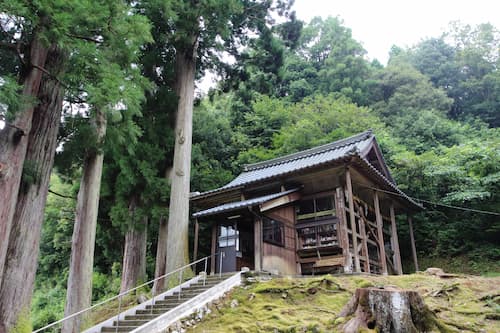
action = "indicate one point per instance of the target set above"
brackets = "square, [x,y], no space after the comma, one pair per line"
[342,233]
[213,259]
[352,217]
[395,242]
[364,242]
[258,245]
[195,247]
[380,233]
[412,239]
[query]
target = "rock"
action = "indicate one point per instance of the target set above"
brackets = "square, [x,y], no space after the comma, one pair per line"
[251,296]
[312,290]
[440,273]
[234,303]
[141,299]
[434,271]
[251,279]
[200,313]
[284,295]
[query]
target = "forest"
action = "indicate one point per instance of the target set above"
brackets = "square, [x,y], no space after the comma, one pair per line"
[103,133]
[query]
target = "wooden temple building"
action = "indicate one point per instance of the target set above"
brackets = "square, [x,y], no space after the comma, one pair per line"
[331,208]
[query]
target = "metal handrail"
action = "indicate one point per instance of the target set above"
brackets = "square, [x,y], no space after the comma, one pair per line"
[120,295]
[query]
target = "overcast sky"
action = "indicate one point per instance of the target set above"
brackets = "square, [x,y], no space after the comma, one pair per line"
[380,24]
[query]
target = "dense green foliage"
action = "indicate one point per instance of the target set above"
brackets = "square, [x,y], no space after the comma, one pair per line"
[435,109]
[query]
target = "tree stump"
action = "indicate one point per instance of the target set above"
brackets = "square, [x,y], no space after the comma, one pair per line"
[388,310]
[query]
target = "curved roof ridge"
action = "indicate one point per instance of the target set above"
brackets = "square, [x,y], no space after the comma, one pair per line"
[310,152]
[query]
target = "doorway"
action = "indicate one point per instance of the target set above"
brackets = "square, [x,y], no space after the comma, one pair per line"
[235,242]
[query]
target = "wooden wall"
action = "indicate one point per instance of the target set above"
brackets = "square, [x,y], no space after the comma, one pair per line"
[278,258]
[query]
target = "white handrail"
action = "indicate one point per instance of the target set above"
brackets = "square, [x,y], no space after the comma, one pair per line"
[127,292]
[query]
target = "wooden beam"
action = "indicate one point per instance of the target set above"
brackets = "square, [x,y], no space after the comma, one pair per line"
[352,217]
[395,242]
[342,233]
[213,259]
[412,239]
[258,244]
[364,242]
[380,233]
[286,199]
[195,247]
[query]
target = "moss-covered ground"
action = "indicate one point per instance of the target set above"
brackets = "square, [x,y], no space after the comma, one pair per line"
[461,303]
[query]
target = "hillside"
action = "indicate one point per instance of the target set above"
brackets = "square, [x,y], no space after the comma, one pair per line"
[462,303]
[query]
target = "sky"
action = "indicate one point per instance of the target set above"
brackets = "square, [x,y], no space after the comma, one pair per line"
[380,24]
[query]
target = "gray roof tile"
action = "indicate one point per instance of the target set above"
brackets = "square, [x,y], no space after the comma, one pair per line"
[242,204]
[298,161]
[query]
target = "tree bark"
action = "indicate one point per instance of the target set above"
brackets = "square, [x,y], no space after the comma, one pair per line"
[178,221]
[13,146]
[161,257]
[79,292]
[24,241]
[134,254]
[387,310]
[161,247]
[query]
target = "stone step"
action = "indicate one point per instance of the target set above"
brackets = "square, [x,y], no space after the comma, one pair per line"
[186,294]
[171,301]
[207,284]
[146,317]
[200,287]
[161,306]
[134,322]
[156,311]
[165,305]
[214,278]
[111,329]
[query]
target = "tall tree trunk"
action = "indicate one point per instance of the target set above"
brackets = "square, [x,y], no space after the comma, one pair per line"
[178,220]
[161,247]
[134,254]
[79,293]
[161,256]
[23,248]
[13,146]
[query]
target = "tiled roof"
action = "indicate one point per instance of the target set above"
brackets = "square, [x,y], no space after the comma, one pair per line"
[354,147]
[392,185]
[242,204]
[298,161]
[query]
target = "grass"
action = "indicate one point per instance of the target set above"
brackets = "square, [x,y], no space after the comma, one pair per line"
[458,264]
[313,304]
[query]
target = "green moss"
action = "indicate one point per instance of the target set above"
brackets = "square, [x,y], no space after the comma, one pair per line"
[366,330]
[23,324]
[287,305]
[362,283]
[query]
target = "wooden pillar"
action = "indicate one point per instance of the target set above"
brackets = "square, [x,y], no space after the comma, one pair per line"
[380,233]
[395,242]
[352,217]
[213,258]
[412,239]
[195,246]
[364,242]
[342,234]
[258,245]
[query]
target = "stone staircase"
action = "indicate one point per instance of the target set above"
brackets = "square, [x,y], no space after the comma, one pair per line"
[191,297]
